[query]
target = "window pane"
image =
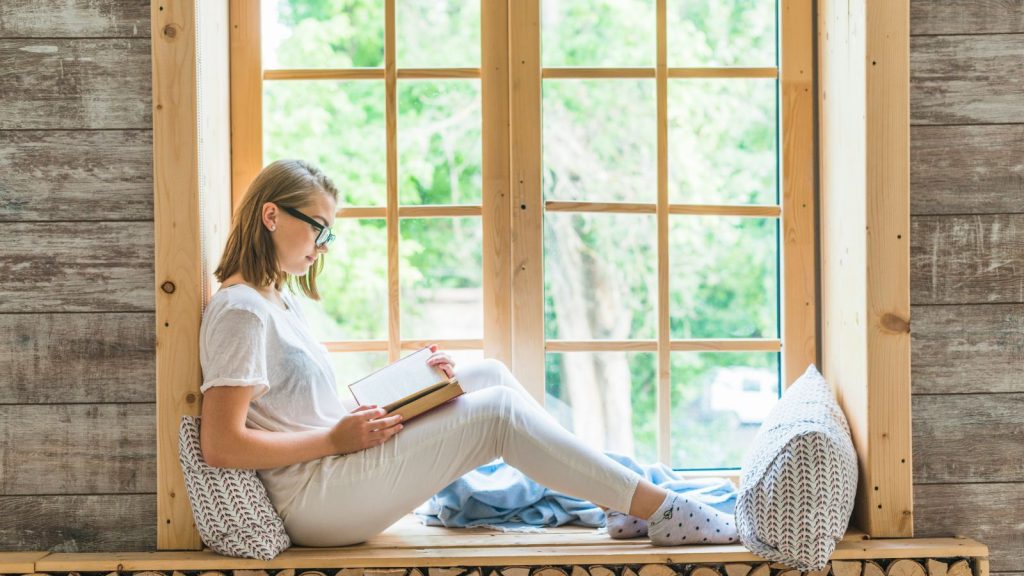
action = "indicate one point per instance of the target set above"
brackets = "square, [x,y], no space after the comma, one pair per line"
[437,33]
[322,33]
[351,366]
[600,276]
[337,125]
[441,277]
[721,33]
[722,141]
[599,33]
[600,140]
[723,277]
[439,142]
[353,284]
[719,400]
[606,398]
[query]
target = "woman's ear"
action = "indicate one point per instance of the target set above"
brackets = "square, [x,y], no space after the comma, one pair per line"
[270,215]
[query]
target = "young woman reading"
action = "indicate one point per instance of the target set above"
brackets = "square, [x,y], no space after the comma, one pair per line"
[338,476]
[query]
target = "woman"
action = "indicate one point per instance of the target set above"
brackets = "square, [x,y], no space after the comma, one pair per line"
[338,477]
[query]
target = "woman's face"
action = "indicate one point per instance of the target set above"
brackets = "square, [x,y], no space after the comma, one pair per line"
[294,238]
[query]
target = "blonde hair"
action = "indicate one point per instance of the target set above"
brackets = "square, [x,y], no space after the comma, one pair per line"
[250,249]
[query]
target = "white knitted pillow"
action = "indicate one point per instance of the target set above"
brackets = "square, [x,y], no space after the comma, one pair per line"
[230,505]
[799,478]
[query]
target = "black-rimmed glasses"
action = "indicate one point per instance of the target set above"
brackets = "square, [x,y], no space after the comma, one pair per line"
[324,235]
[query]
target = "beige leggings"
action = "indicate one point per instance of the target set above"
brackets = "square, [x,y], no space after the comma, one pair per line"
[355,496]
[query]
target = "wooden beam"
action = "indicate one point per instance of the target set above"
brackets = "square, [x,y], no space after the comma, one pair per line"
[190,221]
[527,214]
[865,225]
[799,267]
[496,202]
[246,97]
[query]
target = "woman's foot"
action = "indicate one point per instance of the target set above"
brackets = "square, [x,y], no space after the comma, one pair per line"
[622,526]
[680,521]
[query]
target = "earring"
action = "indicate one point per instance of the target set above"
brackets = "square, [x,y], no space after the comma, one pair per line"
[272,228]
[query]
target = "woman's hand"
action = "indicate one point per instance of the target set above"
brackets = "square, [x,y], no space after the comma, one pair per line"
[364,427]
[442,361]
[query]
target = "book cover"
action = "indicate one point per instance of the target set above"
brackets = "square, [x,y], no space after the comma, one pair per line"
[407,386]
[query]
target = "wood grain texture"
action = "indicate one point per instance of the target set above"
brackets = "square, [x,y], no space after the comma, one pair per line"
[966,16]
[963,349]
[88,523]
[967,79]
[75,83]
[967,169]
[988,513]
[76,175]
[74,18]
[967,259]
[53,358]
[78,449]
[76,267]
[968,438]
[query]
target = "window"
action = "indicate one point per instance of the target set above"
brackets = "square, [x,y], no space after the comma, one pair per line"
[599,200]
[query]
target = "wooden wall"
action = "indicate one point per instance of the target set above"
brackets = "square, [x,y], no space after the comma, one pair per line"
[77,421]
[967,272]
[77,336]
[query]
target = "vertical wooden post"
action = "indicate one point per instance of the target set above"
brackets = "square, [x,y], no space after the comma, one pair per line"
[496,201]
[796,76]
[246,97]
[191,179]
[865,267]
[527,210]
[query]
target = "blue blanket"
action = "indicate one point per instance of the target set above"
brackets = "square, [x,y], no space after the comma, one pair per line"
[499,496]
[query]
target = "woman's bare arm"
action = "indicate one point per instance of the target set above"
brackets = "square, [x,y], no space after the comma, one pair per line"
[227,443]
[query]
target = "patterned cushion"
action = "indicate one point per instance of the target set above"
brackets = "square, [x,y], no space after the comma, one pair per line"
[799,478]
[230,505]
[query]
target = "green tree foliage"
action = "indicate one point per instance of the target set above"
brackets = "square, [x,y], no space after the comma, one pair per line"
[599,145]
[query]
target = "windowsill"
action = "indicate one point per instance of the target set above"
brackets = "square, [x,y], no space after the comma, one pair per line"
[410,544]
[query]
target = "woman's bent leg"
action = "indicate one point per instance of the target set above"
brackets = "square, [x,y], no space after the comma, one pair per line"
[356,496]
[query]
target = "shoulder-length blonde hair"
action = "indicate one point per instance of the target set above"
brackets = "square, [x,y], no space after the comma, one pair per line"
[250,249]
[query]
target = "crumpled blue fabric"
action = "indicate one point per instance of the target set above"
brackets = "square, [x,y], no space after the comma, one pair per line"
[499,496]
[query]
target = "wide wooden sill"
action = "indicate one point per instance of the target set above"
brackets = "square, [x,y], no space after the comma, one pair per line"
[410,545]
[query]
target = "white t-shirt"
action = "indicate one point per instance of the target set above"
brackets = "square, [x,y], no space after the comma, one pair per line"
[247,340]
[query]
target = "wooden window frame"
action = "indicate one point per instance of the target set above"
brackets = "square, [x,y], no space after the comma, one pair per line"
[202,143]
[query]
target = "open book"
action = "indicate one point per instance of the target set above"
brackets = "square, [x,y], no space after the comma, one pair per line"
[407,386]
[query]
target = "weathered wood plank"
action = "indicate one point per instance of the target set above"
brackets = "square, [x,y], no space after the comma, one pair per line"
[78,448]
[967,79]
[72,83]
[989,513]
[74,18]
[54,358]
[94,523]
[77,267]
[968,438]
[966,16]
[953,346]
[967,259]
[76,175]
[967,169]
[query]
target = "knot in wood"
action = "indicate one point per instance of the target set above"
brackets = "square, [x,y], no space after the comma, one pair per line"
[893,323]
[170,31]
[168,287]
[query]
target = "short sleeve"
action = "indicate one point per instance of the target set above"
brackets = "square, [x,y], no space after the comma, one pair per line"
[235,351]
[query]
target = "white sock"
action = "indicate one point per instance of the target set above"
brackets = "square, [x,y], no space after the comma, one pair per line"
[622,526]
[681,520]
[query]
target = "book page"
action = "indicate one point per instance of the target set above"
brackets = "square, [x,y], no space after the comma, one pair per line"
[397,380]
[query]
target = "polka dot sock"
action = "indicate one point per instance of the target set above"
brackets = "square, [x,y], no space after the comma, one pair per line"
[681,520]
[622,526]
